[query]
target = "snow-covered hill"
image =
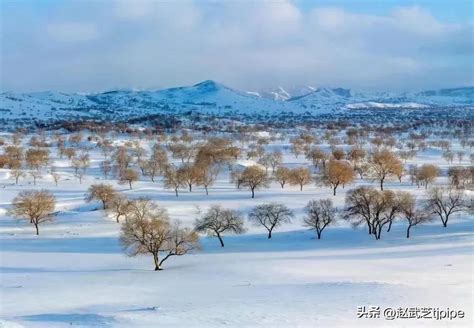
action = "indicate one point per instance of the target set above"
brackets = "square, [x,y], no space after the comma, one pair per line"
[323,98]
[283,94]
[211,97]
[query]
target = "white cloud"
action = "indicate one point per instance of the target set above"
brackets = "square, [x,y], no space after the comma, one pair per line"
[241,43]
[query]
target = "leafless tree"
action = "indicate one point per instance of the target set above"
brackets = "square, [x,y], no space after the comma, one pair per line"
[372,207]
[147,235]
[35,206]
[271,216]
[443,202]
[128,176]
[102,192]
[118,207]
[275,159]
[318,157]
[35,175]
[384,164]
[218,220]
[411,212]
[179,242]
[105,167]
[173,179]
[17,173]
[338,173]
[427,173]
[56,177]
[319,214]
[254,177]
[206,175]
[282,175]
[189,174]
[300,176]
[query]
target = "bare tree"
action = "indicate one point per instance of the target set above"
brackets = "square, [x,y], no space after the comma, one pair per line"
[319,214]
[444,202]
[128,176]
[271,216]
[36,158]
[189,174]
[179,242]
[158,162]
[102,192]
[36,206]
[173,179]
[384,164]
[147,235]
[118,207]
[35,175]
[17,173]
[105,167]
[236,178]
[372,207]
[300,176]
[218,220]
[254,177]
[265,161]
[276,159]
[318,157]
[282,175]
[427,173]
[206,175]
[411,212]
[338,173]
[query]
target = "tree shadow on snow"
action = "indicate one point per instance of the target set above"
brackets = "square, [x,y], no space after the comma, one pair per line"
[81,319]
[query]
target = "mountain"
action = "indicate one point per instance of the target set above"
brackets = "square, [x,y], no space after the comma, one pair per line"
[323,98]
[211,97]
[283,94]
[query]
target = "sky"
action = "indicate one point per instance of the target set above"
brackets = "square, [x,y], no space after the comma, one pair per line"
[98,45]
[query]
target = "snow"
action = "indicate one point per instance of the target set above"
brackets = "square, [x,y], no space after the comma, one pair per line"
[210,97]
[74,272]
[372,104]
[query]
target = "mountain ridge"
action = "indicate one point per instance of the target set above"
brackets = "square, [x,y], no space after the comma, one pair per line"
[211,97]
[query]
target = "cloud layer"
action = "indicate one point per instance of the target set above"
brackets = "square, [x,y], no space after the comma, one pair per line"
[92,46]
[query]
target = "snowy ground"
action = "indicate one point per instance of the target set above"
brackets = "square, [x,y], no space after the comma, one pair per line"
[74,273]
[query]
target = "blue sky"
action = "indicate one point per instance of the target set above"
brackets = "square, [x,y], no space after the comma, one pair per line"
[365,44]
[454,11]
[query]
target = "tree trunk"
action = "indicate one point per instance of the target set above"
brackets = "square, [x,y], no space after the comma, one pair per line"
[157,263]
[164,259]
[334,191]
[37,230]
[445,222]
[389,226]
[220,239]
[381,184]
[130,184]
[190,187]
[408,231]
[207,192]
[319,234]
[269,234]
[176,192]
[253,193]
